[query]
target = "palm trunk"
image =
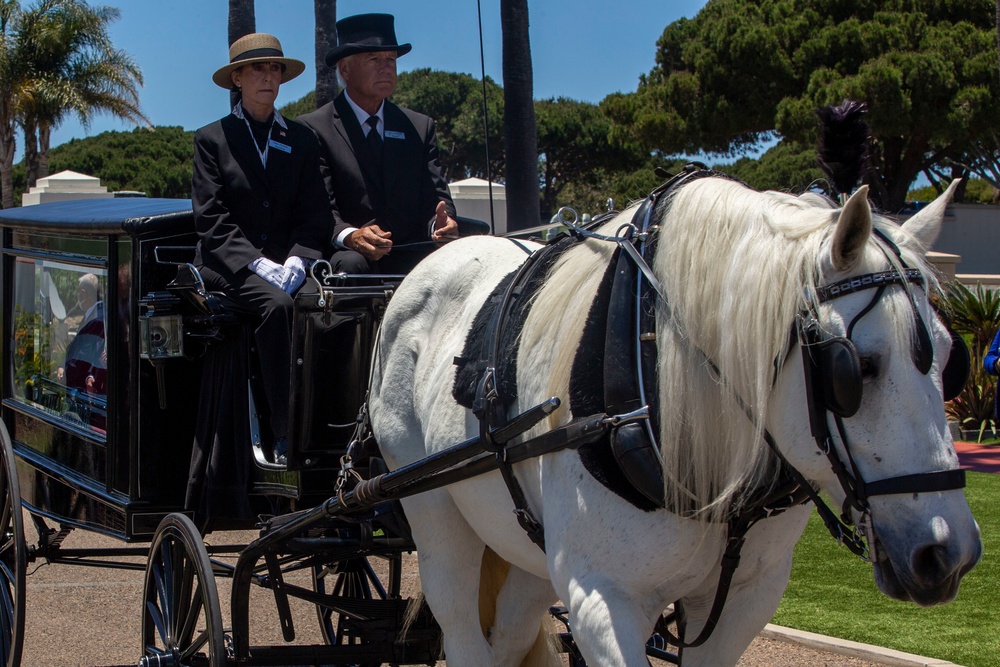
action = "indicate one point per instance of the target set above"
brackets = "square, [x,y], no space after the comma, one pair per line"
[326,38]
[30,149]
[241,22]
[520,132]
[44,135]
[7,166]
[7,146]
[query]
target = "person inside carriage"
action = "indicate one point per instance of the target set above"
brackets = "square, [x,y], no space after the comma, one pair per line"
[261,209]
[390,202]
[86,366]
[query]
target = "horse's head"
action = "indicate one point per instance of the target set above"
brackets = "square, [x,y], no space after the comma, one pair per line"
[868,363]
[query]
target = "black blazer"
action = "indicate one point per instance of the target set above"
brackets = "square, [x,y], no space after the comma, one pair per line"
[242,212]
[403,200]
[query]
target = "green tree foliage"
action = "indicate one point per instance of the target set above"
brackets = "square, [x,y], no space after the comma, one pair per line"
[455,102]
[576,156]
[154,160]
[300,106]
[788,166]
[740,73]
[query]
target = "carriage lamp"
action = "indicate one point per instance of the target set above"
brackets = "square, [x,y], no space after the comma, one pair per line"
[161,337]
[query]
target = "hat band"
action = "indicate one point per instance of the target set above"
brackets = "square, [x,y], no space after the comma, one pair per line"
[258,53]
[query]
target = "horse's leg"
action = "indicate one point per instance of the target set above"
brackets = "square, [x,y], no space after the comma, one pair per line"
[519,626]
[756,590]
[609,627]
[450,554]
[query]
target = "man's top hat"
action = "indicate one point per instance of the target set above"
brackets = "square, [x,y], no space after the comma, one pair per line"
[365,33]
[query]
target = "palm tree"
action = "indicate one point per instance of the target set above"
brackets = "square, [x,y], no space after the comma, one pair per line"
[56,58]
[520,132]
[326,37]
[13,60]
[242,21]
[75,70]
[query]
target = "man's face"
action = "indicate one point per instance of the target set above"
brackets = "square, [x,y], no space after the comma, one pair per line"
[370,75]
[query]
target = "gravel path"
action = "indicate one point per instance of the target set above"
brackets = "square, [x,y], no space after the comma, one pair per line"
[88,617]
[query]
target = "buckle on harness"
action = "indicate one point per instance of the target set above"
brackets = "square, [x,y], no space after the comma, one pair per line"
[635,415]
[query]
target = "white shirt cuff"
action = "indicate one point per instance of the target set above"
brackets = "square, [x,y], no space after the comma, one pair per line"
[339,241]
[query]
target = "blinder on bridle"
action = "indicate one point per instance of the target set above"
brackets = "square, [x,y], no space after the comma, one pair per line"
[833,367]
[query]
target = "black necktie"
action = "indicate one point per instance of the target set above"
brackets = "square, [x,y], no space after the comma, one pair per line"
[374,140]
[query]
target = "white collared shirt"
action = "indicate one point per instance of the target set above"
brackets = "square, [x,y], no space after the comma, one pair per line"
[363,116]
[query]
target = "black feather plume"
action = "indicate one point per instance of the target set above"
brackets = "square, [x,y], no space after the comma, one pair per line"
[843,144]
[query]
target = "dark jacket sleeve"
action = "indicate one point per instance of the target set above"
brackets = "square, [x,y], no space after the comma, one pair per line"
[435,185]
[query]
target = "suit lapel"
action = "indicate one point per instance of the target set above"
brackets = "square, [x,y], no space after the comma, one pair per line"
[242,145]
[350,128]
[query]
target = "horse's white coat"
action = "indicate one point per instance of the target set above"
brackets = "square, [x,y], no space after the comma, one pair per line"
[735,265]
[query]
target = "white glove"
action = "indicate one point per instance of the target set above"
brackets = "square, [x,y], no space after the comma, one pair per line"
[269,271]
[295,274]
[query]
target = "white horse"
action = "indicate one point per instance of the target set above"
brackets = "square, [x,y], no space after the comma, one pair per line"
[738,269]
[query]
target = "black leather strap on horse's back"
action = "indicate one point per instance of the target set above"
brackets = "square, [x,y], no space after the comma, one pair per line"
[492,340]
[474,357]
[587,393]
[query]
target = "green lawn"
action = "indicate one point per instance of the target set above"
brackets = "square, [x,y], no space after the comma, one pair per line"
[832,592]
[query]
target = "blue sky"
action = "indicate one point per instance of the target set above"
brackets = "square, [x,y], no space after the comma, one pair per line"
[581,49]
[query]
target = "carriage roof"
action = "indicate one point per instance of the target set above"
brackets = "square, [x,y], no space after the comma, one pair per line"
[120,215]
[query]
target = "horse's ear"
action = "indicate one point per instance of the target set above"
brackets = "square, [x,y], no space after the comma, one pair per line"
[854,228]
[926,223]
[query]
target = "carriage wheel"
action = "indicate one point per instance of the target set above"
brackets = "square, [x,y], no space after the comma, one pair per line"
[354,578]
[181,615]
[13,557]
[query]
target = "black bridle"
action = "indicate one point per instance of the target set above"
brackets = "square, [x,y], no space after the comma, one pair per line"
[834,384]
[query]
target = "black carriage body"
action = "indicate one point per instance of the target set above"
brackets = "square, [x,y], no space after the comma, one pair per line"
[116,458]
[109,460]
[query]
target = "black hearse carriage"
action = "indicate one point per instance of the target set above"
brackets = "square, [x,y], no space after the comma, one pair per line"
[101,402]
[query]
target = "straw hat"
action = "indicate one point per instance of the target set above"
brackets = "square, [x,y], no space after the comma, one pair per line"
[365,33]
[257,47]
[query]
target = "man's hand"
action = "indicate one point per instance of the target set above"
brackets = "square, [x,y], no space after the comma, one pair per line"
[445,227]
[371,241]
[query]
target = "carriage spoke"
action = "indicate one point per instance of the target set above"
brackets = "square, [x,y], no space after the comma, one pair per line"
[157,617]
[8,544]
[193,611]
[196,645]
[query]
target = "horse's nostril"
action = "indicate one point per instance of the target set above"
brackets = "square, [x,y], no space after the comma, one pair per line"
[932,565]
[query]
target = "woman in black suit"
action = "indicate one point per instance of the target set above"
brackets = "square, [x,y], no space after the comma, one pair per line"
[260,208]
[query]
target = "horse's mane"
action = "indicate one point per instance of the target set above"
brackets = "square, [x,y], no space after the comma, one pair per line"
[736,266]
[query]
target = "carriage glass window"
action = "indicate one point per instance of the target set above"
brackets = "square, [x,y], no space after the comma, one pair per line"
[59,351]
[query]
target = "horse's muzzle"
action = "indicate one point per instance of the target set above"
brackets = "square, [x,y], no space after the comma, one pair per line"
[932,575]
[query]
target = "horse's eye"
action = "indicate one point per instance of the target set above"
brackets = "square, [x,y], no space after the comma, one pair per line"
[869,368]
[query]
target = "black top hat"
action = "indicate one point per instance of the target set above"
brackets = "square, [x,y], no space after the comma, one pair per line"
[364,33]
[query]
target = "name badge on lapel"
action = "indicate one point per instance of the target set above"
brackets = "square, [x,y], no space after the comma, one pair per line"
[280,146]
[393,134]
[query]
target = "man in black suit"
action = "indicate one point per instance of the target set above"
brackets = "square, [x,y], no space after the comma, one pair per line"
[391,205]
